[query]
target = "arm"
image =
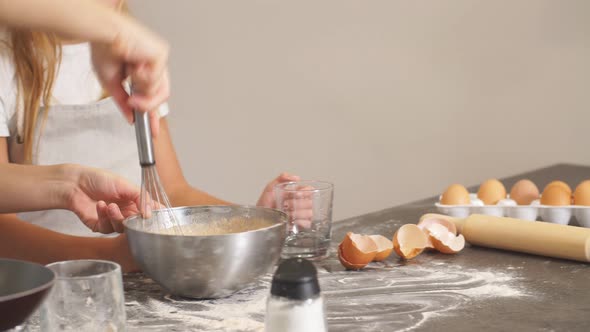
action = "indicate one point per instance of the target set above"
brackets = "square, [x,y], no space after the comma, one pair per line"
[22,240]
[31,188]
[91,193]
[74,18]
[178,189]
[121,47]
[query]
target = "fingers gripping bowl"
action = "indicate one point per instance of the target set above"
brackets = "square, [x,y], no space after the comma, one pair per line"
[225,249]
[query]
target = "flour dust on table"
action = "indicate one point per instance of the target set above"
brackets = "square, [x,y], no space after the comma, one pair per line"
[384,297]
[403,297]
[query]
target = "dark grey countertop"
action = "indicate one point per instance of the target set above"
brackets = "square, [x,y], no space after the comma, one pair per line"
[478,289]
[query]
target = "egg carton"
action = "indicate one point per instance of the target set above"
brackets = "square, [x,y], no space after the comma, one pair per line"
[508,208]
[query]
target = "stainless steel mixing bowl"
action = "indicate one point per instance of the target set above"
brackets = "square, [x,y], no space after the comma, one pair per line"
[209,266]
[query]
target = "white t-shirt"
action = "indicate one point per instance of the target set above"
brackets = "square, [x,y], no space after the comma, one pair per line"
[75,70]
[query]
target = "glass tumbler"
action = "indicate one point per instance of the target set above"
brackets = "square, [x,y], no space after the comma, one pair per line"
[308,204]
[87,296]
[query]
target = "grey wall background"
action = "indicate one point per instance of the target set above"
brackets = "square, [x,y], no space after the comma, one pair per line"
[390,100]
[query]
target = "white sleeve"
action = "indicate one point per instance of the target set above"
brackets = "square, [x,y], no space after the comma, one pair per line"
[7,90]
[163,110]
[4,129]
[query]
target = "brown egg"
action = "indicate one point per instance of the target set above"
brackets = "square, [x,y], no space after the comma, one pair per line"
[560,184]
[582,193]
[524,192]
[491,191]
[556,195]
[455,194]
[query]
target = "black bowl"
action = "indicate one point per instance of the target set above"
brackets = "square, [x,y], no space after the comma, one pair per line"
[23,286]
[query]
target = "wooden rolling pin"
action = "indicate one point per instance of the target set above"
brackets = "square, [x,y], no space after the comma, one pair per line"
[539,238]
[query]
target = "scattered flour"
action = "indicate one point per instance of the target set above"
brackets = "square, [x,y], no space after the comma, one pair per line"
[243,311]
[383,297]
[222,316]
[409,295]
[481,284]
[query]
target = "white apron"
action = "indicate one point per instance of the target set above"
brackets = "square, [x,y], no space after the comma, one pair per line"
[95,135]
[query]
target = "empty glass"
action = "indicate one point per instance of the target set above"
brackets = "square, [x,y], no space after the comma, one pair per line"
[309,207]
[87,296]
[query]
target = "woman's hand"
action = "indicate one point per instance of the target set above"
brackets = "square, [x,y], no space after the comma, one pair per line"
[142,56]
[100,199]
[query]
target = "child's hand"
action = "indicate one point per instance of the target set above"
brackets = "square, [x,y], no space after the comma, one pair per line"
[267,199]
[298,206]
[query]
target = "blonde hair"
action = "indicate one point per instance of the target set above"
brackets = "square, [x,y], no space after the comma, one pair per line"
[36,56]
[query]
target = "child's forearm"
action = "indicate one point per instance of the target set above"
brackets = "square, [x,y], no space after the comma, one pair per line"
[22,240]
[188,196]
[31,188]
[82,19]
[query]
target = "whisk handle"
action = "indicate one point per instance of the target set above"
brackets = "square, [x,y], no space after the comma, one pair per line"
[143,133]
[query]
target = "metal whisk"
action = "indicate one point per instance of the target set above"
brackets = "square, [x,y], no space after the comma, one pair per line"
[153,198]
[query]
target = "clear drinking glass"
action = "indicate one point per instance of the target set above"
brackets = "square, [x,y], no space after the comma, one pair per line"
[308,205]
[87,296]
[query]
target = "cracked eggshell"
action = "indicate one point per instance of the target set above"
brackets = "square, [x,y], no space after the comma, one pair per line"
[358,249]
[384,247]
[445,241]
[409,241]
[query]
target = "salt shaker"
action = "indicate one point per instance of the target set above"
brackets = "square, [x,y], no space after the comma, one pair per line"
[295,303]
